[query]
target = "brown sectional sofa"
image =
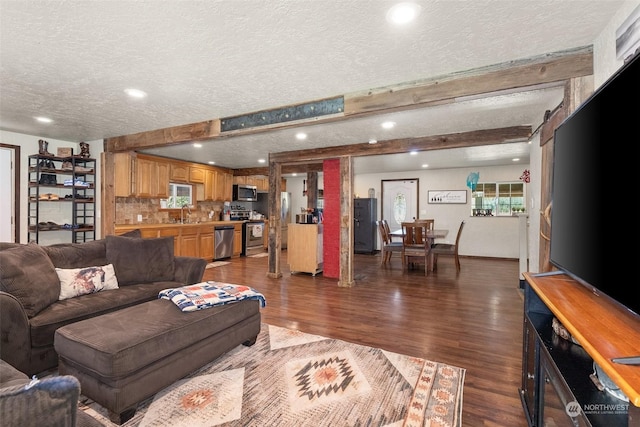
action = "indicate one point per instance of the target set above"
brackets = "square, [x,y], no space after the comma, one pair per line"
[30,309]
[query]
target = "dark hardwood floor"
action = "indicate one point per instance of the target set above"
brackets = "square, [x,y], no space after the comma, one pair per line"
[473,320]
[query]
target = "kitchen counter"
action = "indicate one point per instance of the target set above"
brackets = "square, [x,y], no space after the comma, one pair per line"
[192,239]
[127,227]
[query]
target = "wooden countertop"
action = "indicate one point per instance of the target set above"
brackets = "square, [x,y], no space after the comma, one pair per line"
[602,328]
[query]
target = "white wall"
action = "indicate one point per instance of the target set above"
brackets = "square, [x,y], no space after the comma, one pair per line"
[49,212]
[482,236]
[604,47]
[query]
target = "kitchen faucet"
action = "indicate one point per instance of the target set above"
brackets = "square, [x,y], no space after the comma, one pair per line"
[186,205]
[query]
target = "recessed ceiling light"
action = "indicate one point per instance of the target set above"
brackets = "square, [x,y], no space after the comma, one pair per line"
[425,165]
[261,160]
[403,13]
[301,136]
[135,93]
[197,145]
[515,159]
[211,162]
[388,125]
[44,119]
[373,141]
[413,152]
[294,174]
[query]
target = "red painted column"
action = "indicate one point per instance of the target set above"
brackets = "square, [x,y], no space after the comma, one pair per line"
[331,231]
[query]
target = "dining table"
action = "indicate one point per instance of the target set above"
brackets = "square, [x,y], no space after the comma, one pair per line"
[431,235]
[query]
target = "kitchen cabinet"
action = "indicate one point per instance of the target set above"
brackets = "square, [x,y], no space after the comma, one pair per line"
[149,176]
[152,178]
[141,176]
[217,186]
[206,243]
[196,175]
[179,172]
[260,181]
[123,167]
[237,240]
[226,188]
[189,240]
[304,248]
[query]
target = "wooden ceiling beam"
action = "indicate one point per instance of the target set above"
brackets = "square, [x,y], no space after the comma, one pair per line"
[287,168]
[546,69]
[404,145]
[552,68]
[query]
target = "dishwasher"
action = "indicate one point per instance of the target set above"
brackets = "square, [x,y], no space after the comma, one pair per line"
[223,241]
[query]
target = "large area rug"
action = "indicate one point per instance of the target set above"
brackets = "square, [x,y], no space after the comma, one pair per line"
[289,378]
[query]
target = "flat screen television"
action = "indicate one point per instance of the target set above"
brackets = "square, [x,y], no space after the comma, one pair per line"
[594,222]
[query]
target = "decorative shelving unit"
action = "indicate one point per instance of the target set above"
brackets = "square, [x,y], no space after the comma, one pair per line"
[64,186]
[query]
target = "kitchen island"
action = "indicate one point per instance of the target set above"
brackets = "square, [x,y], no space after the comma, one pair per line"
[304,250]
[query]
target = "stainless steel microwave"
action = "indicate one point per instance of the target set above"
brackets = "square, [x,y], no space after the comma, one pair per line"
[245,193]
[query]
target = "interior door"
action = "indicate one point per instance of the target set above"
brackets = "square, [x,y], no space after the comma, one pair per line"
[8,217]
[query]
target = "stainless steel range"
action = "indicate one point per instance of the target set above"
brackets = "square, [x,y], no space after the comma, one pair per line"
[252,237]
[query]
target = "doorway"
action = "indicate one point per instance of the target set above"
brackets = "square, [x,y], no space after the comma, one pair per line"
[10,192]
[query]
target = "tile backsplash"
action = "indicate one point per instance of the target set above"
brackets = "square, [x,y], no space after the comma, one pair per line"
[128,209]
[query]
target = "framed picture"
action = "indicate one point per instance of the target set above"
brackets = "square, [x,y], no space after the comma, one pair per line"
[399,201]
[447,196]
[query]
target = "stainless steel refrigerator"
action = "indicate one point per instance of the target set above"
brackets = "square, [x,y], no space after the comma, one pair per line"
[285,217]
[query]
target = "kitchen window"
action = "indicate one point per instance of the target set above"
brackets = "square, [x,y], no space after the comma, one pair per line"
[179,196]
[498,199]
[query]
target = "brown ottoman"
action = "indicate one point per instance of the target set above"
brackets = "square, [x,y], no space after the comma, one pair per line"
[124,357]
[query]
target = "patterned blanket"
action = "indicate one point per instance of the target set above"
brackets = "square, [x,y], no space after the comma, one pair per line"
[209,294]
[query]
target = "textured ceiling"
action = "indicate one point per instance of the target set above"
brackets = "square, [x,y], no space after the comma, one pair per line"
[201,60]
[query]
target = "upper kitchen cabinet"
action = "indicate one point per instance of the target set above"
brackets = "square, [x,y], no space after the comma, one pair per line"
[179,172]
[123,182]
[152,177]
[217,185]
[197,175]
[141,176]
[260,181]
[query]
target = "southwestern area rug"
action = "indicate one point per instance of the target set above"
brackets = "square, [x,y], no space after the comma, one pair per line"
[289,378]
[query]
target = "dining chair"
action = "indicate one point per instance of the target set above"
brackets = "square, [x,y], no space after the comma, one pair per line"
[449,249]
[388,247]
[415,244]
[387,230]
[428,222]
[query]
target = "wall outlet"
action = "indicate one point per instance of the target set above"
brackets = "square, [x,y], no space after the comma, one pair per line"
[139,218]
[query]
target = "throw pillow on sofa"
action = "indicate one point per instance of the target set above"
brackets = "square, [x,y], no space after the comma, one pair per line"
[139,260]
[26,272]
[87,280]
